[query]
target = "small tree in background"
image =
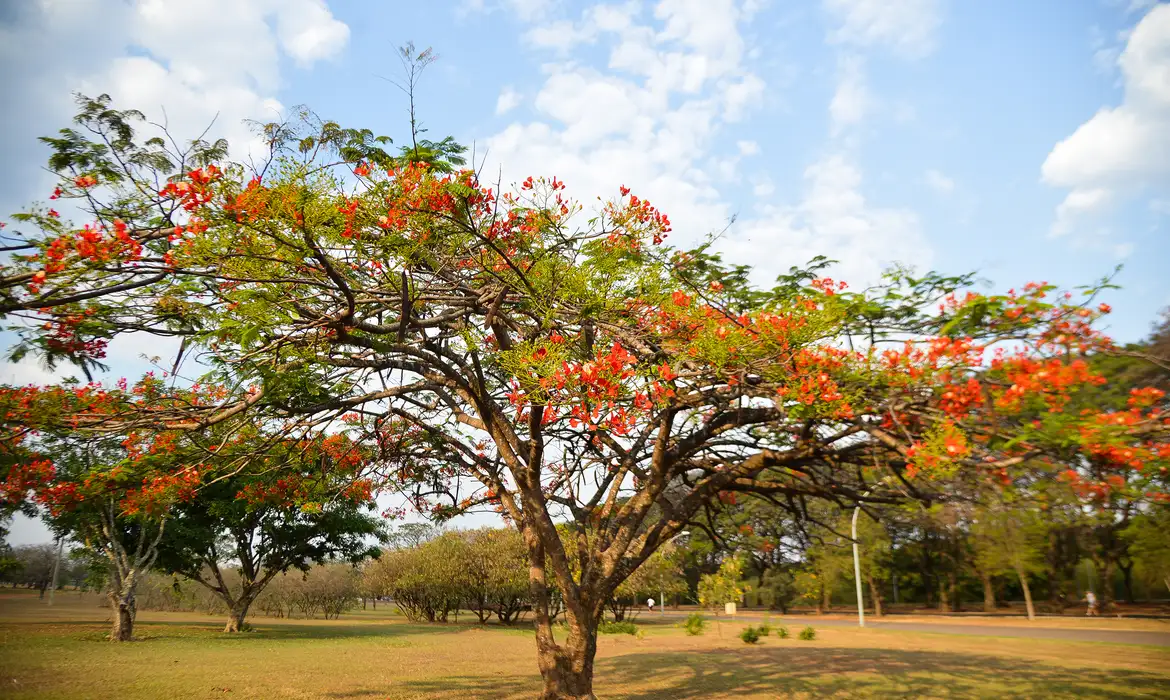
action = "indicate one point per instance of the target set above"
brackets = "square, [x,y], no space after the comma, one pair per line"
[660,575]
[1149,543]
[498,574]
[301,506]
[1010,537]
[723,586]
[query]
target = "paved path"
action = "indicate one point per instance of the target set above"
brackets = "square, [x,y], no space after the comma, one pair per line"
[1071,634]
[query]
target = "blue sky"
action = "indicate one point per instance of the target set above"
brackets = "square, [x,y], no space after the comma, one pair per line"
[1025,140]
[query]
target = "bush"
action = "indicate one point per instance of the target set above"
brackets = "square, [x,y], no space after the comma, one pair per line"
[694,624]
[750,635]
[764,629]
[617,628]
[808,634]
[782,632]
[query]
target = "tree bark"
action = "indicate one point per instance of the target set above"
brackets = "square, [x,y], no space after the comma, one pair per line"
[1106,594]
[875,592]
[123,610]
[1127,580]
[988,593]
[1027,592]
[567,669]
[237,615]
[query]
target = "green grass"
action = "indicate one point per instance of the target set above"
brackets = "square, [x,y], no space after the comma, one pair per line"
[60,652]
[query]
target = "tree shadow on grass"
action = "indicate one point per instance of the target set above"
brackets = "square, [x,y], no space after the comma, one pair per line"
[821,671]
[817,672]
[269,629]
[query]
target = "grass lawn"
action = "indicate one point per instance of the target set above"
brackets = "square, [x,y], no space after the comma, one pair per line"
[60,652]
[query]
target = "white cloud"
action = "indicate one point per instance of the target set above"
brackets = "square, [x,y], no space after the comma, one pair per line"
[851,100]
[939,183]
[645,115]
[508,100]
[524,10]
[309,32]
[1124,148]
[1078,204]
[762,187]
[747,148]
[906,27]
[186,63]
[832,218]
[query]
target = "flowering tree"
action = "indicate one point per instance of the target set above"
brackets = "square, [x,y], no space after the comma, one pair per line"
[507,350]
[117,506]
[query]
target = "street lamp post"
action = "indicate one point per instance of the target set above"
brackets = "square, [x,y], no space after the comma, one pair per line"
[857,568]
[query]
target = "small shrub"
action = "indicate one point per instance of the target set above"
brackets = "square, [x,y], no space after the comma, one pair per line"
[618,628]
[808,634]
[694,624]
[782,632]
[764,629]
[750,635]
[641,633]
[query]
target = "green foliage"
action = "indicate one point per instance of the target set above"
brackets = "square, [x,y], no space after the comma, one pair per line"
[723,586]
[660,575]
[808,634]
[694,625]
[778,589]
[782,632]
[614,627]
[750,635]
[764,629]
[1149,543]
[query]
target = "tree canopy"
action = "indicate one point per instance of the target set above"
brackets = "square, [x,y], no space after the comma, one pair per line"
[505,347]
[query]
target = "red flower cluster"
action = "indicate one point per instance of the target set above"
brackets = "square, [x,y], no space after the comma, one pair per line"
[195,193]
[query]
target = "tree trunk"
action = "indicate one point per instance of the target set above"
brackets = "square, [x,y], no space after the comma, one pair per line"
[944,601]
[875,592]
[238,613]
[1027,592]
[1106,594]
[953,591]
[988,593]
[123,610]
[567,669]
[1127,580]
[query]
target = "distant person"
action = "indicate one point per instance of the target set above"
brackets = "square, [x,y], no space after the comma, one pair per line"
[1091,599]
[650,604]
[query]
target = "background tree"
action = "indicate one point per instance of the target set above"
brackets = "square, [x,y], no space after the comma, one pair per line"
[724,586]
[1149,542]
[301,506]
[499,580]
[1010,539]
[33,566]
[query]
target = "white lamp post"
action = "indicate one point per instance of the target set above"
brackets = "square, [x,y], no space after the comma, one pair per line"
[857,568]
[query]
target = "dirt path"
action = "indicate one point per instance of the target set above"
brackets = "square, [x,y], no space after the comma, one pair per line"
[981,629]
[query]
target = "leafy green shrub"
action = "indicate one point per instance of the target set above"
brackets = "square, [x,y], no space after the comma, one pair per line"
[618,628]
[782,632]
[750,635]
[764,629]
[808,634]
[694,624]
